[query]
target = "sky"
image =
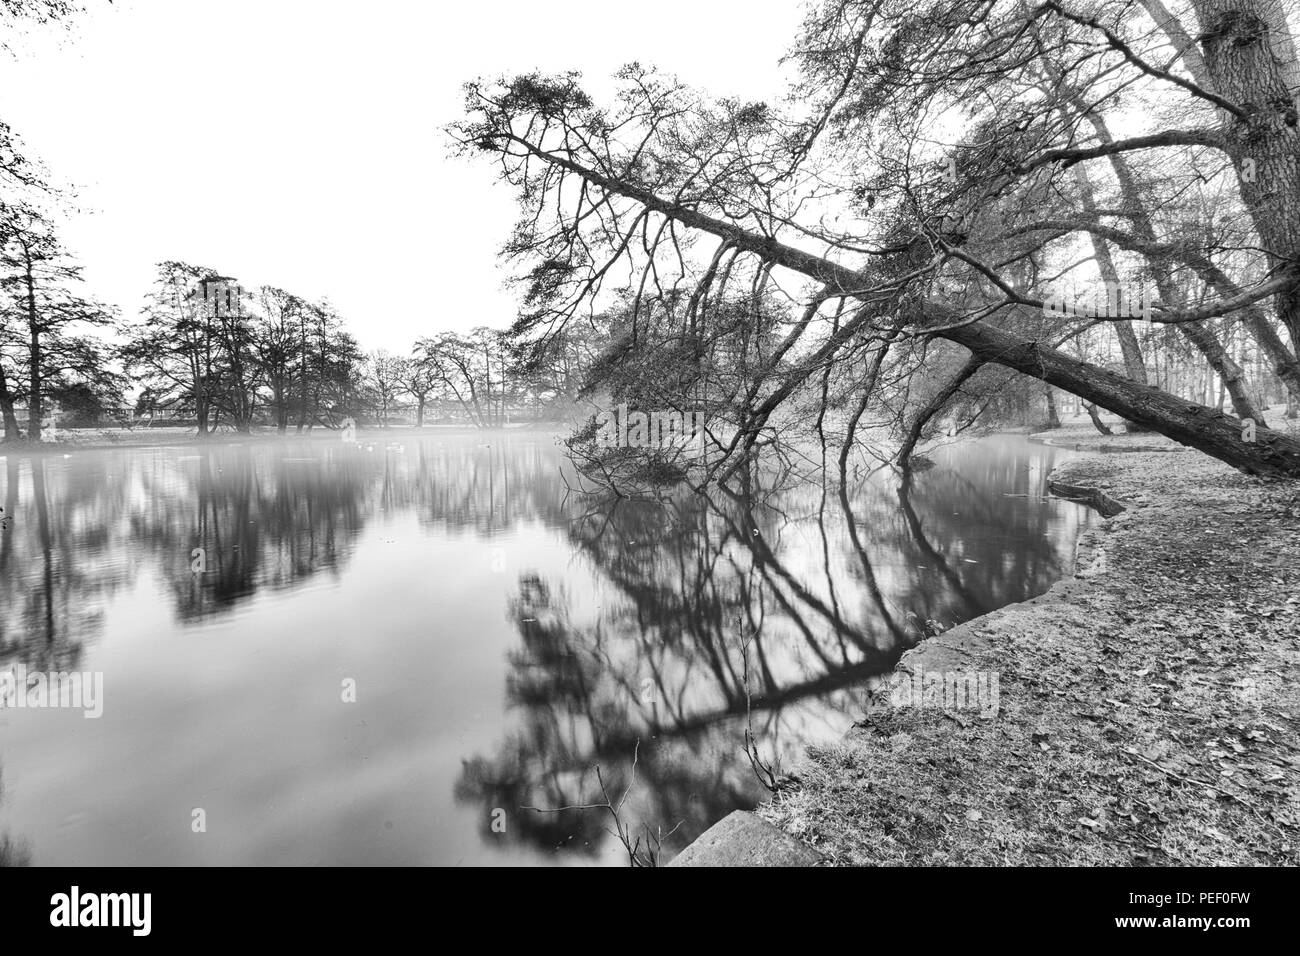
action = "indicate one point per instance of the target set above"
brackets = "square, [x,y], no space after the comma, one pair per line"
[300,144]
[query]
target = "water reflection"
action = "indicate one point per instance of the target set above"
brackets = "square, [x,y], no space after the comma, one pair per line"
[507,638]
[808,592]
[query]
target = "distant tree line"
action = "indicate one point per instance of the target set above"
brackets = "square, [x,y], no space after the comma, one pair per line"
[206,352]
[210,354]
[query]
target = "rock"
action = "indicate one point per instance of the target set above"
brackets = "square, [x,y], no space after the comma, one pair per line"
[744,839]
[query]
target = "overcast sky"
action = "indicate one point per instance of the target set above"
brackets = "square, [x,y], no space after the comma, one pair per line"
[299,143]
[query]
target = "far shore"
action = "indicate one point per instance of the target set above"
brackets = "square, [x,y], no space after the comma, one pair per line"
[92,439]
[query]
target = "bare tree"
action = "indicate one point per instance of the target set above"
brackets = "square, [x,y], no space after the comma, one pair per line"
[38,280]
[419,381]
[967,244]
[383,373]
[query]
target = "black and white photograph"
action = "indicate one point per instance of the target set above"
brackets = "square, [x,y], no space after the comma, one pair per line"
[820,434]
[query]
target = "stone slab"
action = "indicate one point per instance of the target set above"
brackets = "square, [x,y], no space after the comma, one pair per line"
[744,839]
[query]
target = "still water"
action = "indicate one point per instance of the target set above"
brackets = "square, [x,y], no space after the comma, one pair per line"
[395,648]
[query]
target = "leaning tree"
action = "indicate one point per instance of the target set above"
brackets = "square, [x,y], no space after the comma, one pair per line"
[943,174]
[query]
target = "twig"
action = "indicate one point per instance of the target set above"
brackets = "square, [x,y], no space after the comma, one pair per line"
[638,855]
[1209,786]
[763,770]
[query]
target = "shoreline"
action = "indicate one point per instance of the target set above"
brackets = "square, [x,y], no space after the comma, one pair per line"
[1144,713]
[174,438]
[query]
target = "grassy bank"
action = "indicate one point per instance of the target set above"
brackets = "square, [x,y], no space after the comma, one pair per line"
[1148,711]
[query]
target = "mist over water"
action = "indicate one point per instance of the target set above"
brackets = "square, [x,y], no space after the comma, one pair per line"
[505,636]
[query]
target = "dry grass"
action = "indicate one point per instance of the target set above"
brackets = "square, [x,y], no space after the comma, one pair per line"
[1149,711]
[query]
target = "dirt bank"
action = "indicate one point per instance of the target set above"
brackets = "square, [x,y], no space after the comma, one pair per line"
[1147,708]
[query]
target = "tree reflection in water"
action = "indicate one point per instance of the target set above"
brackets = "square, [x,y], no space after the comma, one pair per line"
[641,642]
[823,589]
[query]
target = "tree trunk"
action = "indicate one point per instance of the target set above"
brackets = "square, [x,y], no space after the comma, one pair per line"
[1196,332]
[302,373]
[1216,434]
[1053,419]
[1283,360]
[1181,39]
[1128,343]
[931,408]
[1186,422]
[1096,419]
[1242,40]
[487,385]
[12,432]
[34,403]
[1229,372]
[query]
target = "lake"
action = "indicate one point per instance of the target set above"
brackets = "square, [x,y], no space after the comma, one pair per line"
[319,653]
